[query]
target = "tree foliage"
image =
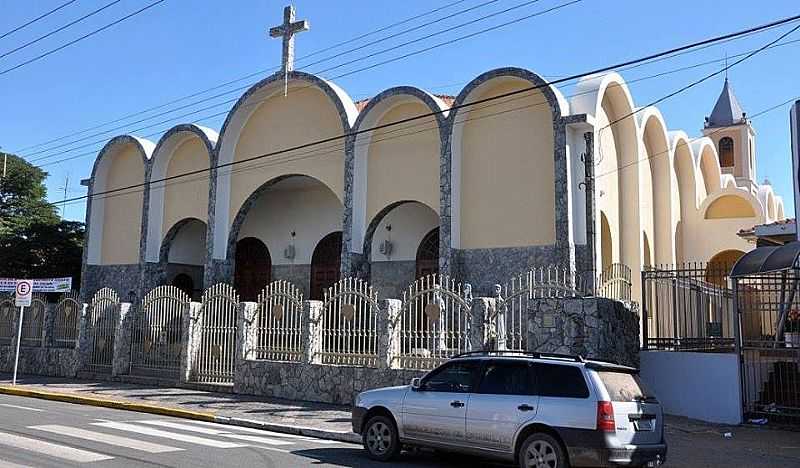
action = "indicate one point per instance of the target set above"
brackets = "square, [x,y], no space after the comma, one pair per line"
[34,241]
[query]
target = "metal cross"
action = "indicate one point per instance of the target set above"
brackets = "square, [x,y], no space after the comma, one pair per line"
[287,30]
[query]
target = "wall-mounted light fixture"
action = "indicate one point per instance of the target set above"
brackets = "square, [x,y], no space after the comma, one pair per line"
[386,246]
[289,252]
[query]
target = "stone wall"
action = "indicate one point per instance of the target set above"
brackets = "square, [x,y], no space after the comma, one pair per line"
[52,362]
[390,279]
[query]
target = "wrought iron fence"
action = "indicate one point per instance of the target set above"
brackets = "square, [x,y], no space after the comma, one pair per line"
[350,324]
[688,307]
[157,337]
[615,282]
[506,328]
[7,315]
[769,311]
[66,320]
[216,351]
[279,322]
[33,322]
[434,322]
[103,312]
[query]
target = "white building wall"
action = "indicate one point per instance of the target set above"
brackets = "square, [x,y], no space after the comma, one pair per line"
[410,222]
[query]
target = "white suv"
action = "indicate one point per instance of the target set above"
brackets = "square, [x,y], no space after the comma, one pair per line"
[541,410]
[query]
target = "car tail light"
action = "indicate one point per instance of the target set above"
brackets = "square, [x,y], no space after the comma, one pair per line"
[605,416]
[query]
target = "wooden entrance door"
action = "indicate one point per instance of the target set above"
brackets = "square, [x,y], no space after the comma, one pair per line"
[253,268]
[428,254]
[326,264]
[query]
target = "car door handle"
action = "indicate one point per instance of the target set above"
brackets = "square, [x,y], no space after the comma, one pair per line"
[525,408]
[456,404]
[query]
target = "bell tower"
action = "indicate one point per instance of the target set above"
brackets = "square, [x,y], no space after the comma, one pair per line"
[734,138]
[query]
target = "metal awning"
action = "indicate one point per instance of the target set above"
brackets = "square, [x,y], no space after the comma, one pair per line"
[767,260]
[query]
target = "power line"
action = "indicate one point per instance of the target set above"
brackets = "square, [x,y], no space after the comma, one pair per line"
[42,16]
[250,75]
[85,36]
[352,72]
[450,110]
[59,29]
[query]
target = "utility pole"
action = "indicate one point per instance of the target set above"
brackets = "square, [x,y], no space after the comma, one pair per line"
[66,190]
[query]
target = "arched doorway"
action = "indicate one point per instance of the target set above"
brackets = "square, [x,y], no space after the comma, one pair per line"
[185,283]
[646,255]
[428,254]
[253,268]
[326,264]
[606,246]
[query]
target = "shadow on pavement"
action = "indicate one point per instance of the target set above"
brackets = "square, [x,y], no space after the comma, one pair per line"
[356,458]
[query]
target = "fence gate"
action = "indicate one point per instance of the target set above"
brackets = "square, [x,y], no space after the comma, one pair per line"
[434,322]
[506,329]
[350,324]
[279,322]
[33,322]
[103,314]
[157,338]
[66,320]
[217,349]
[7,311]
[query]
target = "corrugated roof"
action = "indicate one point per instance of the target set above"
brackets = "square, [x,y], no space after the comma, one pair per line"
[727,110]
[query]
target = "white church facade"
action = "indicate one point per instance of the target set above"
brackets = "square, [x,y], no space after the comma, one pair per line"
[302,183]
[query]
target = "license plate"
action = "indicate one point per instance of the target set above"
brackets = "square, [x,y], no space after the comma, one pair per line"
[643,425]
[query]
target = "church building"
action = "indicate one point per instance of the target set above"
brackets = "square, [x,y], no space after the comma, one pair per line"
[302,183]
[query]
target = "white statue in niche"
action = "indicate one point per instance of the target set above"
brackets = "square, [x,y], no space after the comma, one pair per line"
[498,325]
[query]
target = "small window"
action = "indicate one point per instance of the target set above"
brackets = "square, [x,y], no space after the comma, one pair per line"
[624,387]
[726,152]
[554,380]
[507,378]
[457,377]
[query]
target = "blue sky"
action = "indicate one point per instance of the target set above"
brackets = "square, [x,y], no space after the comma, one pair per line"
[180,47]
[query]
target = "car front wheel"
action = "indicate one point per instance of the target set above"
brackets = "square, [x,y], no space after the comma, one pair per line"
[380,438]
[542,451]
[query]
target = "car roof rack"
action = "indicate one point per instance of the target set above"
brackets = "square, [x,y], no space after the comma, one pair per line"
[532,354]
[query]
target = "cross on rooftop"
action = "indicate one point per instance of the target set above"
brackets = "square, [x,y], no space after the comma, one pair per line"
[287,30]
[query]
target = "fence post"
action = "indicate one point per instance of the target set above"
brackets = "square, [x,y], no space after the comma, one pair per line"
[479,322]
[245,332]
[121,363]
[190,339]
[388,331]
[48,325]
[14,337]
[83,345]
[311,335]
[645,311]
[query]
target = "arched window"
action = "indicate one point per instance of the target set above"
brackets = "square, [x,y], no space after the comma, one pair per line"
[726,152]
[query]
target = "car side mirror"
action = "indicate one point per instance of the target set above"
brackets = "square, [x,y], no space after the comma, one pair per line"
[416,383]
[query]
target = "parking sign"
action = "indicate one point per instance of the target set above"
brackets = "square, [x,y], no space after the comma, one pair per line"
[24,291]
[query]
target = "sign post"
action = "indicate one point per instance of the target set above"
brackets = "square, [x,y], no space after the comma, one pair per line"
[22,293]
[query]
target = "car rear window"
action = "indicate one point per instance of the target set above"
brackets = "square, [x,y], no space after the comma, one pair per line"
[553,380]
[623,386]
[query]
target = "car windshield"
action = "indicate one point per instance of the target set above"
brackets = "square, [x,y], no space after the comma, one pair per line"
[623,386]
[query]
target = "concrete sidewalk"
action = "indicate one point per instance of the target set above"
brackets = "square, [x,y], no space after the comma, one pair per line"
[297,417]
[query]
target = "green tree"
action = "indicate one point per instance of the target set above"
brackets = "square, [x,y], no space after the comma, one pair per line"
[34,241]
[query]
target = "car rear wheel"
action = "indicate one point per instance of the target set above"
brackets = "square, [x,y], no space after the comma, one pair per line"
[542,451]
[380,439]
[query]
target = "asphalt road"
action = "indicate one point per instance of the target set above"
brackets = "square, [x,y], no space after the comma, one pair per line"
[43,433]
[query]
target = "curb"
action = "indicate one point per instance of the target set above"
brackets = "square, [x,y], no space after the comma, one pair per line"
[340,436]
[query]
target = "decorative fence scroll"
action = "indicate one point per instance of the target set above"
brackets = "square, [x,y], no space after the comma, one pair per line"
[350,324]
[279,322]
[217,347]
[33,322]
[66,320]
[103,312]
[506,328]
[434,322]
[157,332]
[7,311]
[615,282]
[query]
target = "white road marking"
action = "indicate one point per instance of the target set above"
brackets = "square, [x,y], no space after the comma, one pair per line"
[109,439]
[215,432]
[167,435]
[252,430]
[21,407]
[53,450]
[8,464]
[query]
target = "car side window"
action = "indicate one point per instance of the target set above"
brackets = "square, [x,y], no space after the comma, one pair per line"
[457,377]
[554,380]
[506,378]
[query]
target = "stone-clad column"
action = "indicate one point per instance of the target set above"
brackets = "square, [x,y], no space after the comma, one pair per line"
[190,339]
[245,331]
[83,346]
[388,332]
[123,327]
[48,325]
[311,335]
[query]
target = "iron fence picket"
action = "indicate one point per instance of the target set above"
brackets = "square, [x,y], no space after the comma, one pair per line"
[103,313]
[33,322]
[349,324]
[66,320]
[157,335]
[279,322]
[7,315]
[216,350]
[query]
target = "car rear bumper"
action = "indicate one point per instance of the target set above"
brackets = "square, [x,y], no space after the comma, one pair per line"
[358,418]
[636,455]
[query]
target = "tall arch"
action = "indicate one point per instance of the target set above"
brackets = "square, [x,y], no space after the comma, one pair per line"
[308,96]
[707,165]
[657,151]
